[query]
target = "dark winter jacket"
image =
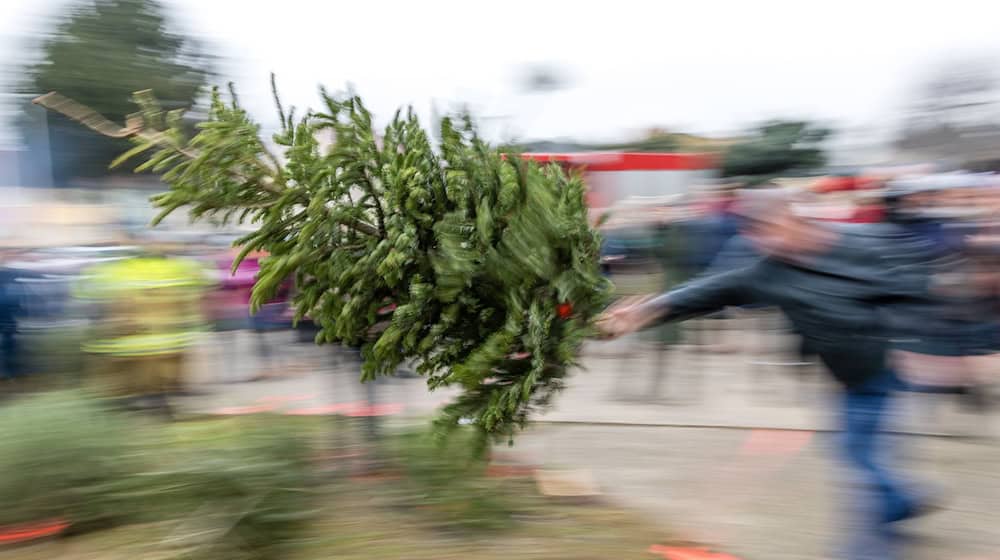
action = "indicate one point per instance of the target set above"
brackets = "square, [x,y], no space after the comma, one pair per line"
[849,303]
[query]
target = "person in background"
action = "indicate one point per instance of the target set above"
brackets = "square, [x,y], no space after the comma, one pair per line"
[853,199]
[935,211]
[712,226]
[984,251]
[670,248]
[228,305]
[921,206]
[150,317]
[272,316]
[231,311]
[870,204]
[613,251]
[709,232]
[838,288]
[11,306]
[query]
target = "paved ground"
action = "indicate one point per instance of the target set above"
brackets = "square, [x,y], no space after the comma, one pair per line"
[773,497]
[623,382]
[704,459]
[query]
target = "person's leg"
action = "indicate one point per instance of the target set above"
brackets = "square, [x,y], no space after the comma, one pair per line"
[263,346]
[866,447]
[178,381]
[659,371]
[879,498]
[264,355]
[8,367]
[231,361]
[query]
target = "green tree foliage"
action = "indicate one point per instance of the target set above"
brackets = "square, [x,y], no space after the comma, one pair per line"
[777,146]
[228,490]
[450,480]
[63,456]
[653,143]
[102,52]
[480,267]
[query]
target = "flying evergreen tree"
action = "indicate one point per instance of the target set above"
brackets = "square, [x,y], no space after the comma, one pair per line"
[479,266]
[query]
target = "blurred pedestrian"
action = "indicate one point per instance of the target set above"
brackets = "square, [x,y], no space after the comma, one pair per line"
[711,226]
[671,242]
[228,306]
[151,314]
[836,287]
[273,316]
[707,230]
[11,306]
[938,211]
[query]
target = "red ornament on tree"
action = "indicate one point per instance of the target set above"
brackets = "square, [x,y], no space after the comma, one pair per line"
[564,310]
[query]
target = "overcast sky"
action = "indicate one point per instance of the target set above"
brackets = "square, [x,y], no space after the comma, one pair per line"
[696,65]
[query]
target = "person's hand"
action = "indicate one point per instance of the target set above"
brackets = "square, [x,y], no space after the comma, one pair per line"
[626,316]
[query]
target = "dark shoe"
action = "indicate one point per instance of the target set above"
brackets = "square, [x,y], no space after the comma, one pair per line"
[924,507]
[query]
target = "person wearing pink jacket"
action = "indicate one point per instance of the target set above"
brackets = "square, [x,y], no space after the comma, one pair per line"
[230,310]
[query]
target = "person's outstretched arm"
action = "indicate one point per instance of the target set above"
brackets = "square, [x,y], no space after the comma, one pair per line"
[700,297]
[735,254]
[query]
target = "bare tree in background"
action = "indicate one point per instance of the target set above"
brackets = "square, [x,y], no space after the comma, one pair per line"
[955,114]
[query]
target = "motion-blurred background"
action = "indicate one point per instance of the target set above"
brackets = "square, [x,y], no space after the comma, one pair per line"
[863,109]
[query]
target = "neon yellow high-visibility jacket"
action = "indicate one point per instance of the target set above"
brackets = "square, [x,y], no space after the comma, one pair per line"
[151,305]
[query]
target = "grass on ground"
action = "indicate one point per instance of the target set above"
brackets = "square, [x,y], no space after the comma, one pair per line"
[383,518]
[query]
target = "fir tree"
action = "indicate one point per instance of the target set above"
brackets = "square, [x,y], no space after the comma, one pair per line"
[479,266]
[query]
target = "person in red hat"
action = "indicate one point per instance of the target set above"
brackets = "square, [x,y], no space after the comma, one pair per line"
[870,203]
[859,192]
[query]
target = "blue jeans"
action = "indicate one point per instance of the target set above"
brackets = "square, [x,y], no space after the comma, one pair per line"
[880,497]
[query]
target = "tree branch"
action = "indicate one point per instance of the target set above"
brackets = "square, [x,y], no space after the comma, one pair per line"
[277,102]
[379,213]
[259,205]
[364,228]
[93,120]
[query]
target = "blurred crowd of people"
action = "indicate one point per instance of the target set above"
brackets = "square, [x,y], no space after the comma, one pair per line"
[128,315]
[143,304]
[902,294]
[671,240]
[131,313]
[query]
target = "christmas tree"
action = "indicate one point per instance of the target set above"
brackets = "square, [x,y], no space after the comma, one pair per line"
[478,266]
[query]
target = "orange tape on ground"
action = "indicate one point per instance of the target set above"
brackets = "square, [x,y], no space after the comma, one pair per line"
[277,399]
[22,533]
[687,553]
[376,410]
[352,409]
[776,442]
